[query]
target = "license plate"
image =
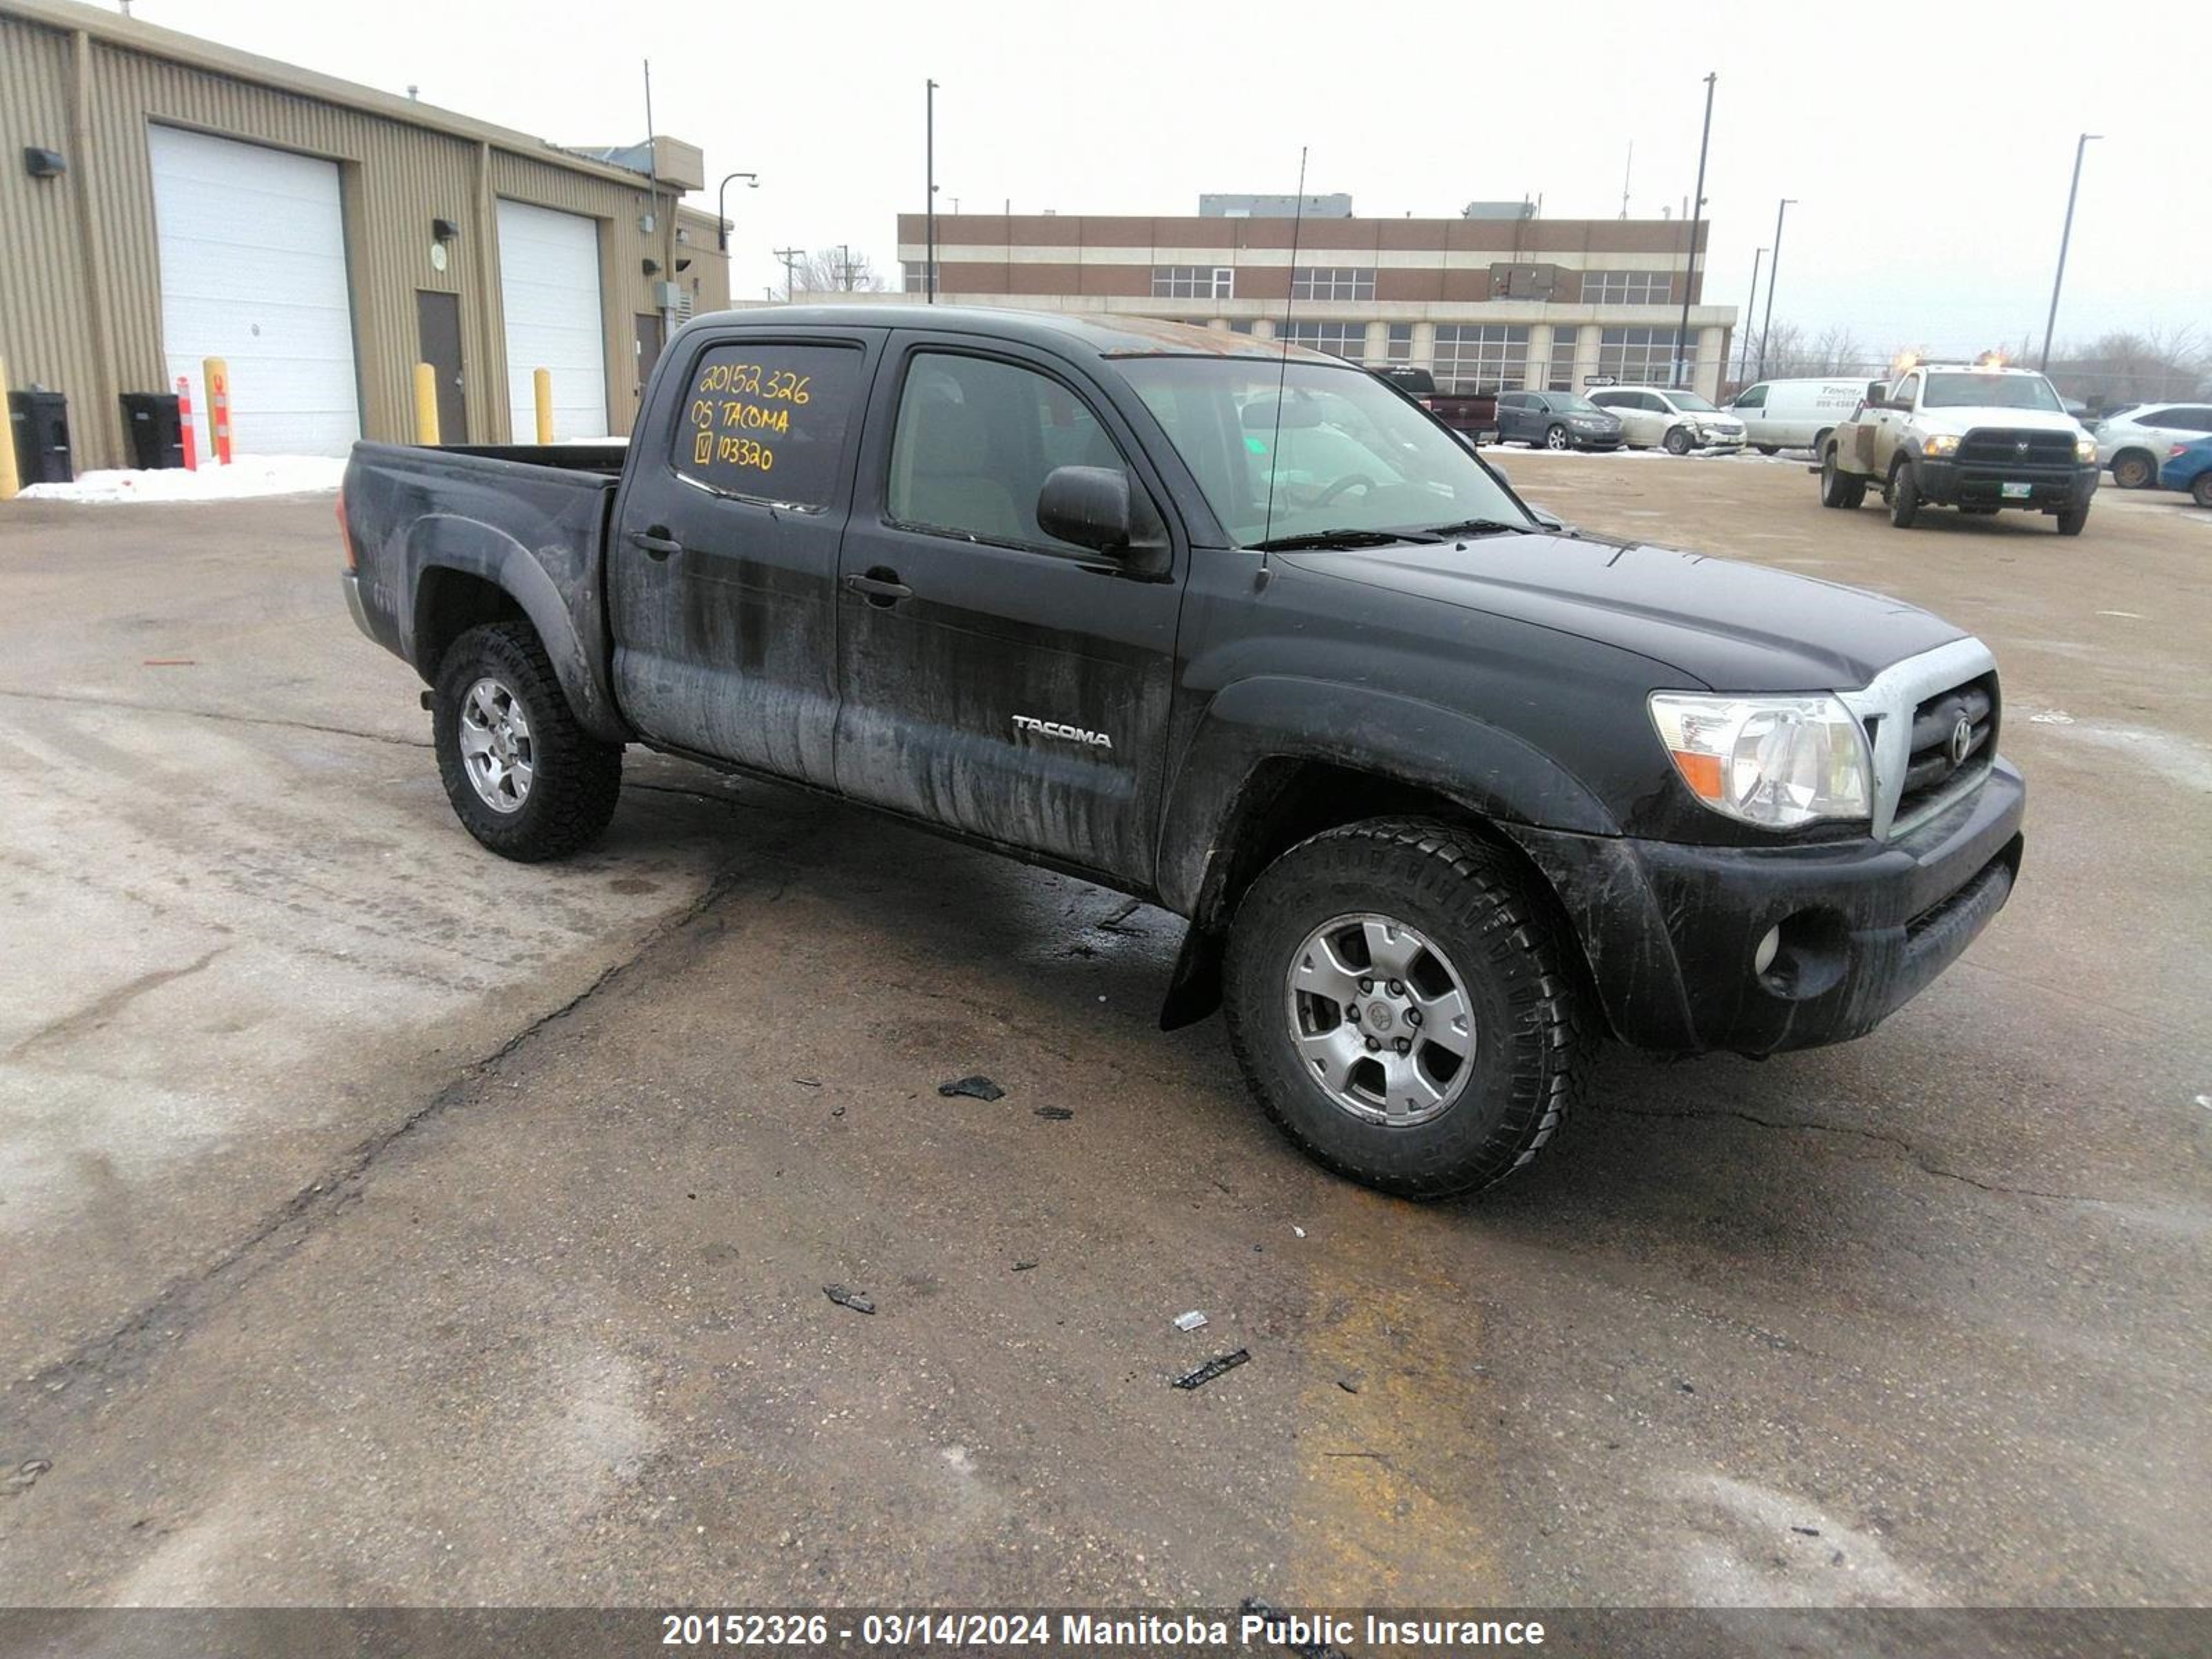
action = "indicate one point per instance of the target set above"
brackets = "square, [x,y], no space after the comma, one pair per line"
[2015,492]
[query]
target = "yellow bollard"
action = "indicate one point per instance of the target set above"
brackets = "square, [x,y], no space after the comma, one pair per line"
[10,480]
[543,384]
[426,404]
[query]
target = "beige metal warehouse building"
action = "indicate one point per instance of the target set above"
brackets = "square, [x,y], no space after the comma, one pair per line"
[164,199]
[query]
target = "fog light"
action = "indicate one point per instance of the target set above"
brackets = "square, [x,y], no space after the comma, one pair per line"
[1763,958]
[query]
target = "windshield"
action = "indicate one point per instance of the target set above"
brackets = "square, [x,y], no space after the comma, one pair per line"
[1573,403]
[1690,400]
[1991,391]
[1339,450]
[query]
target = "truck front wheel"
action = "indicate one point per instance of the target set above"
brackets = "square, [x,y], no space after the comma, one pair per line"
[526,779]
[1904,496]
[1403,1008]
[2073,520]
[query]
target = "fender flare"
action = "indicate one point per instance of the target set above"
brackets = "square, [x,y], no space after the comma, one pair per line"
[1483,767]
[445,541]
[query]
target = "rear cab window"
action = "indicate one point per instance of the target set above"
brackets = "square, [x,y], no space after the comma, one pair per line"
[769,420]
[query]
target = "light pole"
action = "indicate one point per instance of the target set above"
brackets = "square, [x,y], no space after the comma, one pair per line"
[929,164]
[2064,237]
[1686,373]
[721,195]
[1743,357]
[1772,271]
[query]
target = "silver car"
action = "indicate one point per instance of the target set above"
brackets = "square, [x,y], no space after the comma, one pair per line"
[1675,421]
[2136,443]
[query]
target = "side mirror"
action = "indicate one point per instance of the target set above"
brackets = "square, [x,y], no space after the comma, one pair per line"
[1467,438]
[1095,507]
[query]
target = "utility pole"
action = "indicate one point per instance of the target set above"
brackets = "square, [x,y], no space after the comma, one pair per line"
[845,267]
[1685,371]
[1772,271]
[791,257]
[2065,238]
[929,164]
[1743,356]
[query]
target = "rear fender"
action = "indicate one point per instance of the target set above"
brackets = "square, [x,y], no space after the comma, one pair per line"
[446,542]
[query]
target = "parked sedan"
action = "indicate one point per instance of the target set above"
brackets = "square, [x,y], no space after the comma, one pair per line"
[1555,420]
[2189,468]
[1677,421]
[2133,444]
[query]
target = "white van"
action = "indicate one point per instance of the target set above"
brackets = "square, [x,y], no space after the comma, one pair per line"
[1796,414]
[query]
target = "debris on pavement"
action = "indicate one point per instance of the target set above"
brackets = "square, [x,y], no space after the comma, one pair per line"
[976,1088]
[1023,1266]
[1212,1368]
[1300,1231]
[1057,1114]
[1349,1384]
[1189,1322]
[1112,924]
[24,1476]
[808,1082]
[845,1299]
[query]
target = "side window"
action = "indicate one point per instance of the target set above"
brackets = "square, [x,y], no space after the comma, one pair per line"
[1906,391]
[1752,397]
[2191,419]
[768,421]
[974,441]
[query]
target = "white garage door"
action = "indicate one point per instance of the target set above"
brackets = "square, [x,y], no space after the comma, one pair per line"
[253,254]
[548,288]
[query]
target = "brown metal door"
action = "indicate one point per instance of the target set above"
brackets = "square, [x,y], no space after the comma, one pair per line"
[438,330]
[652,335]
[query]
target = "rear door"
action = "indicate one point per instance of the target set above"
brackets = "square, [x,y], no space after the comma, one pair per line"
[993,678]
[723,565]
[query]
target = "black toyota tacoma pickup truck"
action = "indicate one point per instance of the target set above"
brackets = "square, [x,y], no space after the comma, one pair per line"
[1445,791]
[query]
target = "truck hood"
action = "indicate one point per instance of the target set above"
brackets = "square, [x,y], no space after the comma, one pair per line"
[1957,422]
[1733,626]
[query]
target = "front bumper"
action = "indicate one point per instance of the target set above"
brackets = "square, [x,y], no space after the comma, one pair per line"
[1594,440]
[1945,482]
[1670,930]
[1722,440]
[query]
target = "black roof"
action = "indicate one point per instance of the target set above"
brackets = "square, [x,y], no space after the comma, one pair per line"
[1099,335]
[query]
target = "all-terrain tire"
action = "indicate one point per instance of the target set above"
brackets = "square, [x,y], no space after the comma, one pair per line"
[1522,985]
[2073,520]
[1838,488]
[1904,496]
[574,778]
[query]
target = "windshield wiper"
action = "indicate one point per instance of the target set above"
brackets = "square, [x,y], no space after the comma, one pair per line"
[1479,528]
[1343,538]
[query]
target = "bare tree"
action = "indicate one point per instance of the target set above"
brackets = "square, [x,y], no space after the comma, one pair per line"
[2125,367]
[835,270]
[1790,354]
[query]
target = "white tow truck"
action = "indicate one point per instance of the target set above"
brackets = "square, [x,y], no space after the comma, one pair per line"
[1979,436]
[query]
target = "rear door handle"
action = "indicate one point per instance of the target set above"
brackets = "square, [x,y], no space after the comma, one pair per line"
[656,542]
[879,587]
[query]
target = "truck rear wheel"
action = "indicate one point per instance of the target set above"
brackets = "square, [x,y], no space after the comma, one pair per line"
[524,777]
[1402,1008]
[1904,496]
[1837,487]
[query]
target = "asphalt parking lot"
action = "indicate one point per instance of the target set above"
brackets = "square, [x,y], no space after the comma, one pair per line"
[385,1223]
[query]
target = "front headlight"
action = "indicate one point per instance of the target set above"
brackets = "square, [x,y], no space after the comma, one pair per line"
[2085,449]
[1943,443]
[1776,762]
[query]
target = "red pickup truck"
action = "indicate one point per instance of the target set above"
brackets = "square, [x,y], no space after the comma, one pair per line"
[1473,413]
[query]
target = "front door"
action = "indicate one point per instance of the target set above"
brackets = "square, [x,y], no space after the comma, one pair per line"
[652,335]
[438,337]
[723,562]
[994,678]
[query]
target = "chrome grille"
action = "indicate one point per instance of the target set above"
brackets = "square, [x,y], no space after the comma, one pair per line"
[1939,753]
[1901,709]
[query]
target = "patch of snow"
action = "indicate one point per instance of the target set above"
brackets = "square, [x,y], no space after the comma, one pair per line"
[249,475]
[563,443]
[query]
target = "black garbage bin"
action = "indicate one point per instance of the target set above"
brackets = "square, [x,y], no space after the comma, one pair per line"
[40,420]
[157,438]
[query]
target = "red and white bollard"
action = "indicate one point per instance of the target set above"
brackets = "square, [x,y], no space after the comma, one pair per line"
[184,423]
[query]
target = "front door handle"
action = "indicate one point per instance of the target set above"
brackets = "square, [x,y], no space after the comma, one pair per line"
[656,542]
[880,586]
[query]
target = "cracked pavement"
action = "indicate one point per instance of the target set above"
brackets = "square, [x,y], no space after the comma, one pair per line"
[383,1223]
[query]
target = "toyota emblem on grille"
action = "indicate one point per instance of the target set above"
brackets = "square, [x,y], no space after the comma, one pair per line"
[2021,448]
[1962,741]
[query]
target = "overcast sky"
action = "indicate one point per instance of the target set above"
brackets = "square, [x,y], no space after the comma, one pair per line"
[1929,147]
